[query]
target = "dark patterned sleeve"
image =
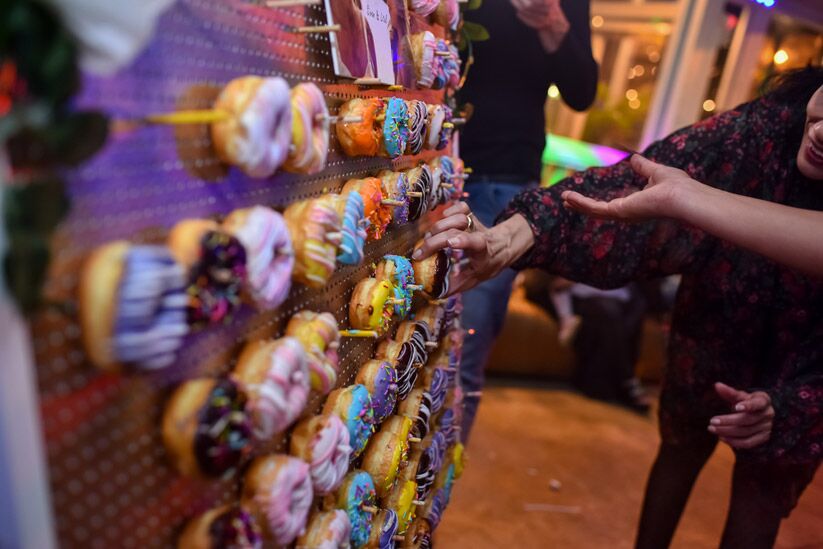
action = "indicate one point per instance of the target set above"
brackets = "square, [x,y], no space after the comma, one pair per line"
[797,429]
[609,254]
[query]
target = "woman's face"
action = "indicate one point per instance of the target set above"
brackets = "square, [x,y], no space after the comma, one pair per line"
[810,155]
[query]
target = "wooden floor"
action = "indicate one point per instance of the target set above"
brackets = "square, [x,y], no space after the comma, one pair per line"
[525,440]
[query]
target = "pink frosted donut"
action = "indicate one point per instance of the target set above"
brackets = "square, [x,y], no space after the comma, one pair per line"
[274,375]
[277,490]
[310,130]
[257,135]
[424,7]
[323,442]
[269,254]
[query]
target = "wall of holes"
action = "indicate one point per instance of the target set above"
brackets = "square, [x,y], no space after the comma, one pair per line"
[111,483]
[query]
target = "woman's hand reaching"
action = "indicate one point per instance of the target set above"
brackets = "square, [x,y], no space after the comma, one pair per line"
[486,251]
[663,196]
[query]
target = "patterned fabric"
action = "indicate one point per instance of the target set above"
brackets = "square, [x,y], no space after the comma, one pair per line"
[739,318]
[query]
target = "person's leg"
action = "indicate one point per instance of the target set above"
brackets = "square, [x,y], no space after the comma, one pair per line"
[762,495]
[567,322]
[597,345]
[667,491]
[484,307]
[630,390]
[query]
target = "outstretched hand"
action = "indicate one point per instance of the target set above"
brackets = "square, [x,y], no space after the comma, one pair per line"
[486,251]
[751,423]
[661,197]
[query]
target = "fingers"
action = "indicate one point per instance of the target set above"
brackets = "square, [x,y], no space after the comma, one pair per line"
[458,221]
[470,242]
[747,442]
[741,431]
[434,243]
[743,418]
[730,394]
[756,402]
[588,206]
[457,208]
[643,166]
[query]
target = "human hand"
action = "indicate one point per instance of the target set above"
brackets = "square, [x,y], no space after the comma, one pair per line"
[751,423]
[487,251]
[667,192]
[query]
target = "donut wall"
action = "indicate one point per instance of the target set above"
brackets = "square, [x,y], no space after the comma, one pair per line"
[210,427]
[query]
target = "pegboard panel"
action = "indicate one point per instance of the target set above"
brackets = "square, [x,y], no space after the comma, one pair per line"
[112,484]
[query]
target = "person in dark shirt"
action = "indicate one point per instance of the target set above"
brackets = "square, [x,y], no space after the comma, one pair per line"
[533,43]
[745,360]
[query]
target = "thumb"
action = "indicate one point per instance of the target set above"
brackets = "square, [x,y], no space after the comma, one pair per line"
[730,394]
[643,166]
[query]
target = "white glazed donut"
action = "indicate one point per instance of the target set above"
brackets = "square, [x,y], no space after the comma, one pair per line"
[274,375]
[437,115]
[257,135]
[269,254]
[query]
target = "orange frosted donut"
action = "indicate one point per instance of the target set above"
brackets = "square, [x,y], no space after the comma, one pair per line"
[360,138]
[378,214]
[309,130]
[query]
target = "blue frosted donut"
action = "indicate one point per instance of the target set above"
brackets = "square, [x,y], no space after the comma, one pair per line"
[353,231]
[395,127]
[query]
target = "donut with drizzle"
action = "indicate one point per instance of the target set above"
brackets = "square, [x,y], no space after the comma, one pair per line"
[353,405]
[322,441]
[380,378]
[357,498]
[314,226]
[318,334]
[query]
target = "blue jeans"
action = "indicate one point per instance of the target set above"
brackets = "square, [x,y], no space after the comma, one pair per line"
[484,307]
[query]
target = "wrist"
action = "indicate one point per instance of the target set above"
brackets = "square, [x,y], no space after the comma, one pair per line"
[512,239]
[687,199]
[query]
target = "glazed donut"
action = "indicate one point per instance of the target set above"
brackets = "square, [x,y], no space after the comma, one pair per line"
[274,376]
[216,262]
[433,273]
[422,49]
[395,186]
[434,317]
[380,378]
[314,226]
[439,68]
[354,227]
[418,536]
[269,254]
[452,311]
[436,193]
[424,7]
[257,135]
[397,270]
[401,426]
[434,380]
[406,359]
[132,302]
[323,442]
[357,498]
[277,490]
[417,123]
[382,458]
[437,115]
[420,183]
[458,459]
[401,501]
[395,134]
[383,530]
[378,214]
[353,405]
[370,307]
[205,427]
[417,332]
[417,407]
[225,526]
[447,14]
[326,530]
[318,334]
[360,138]
[310,130]
[446,129]
[433,512]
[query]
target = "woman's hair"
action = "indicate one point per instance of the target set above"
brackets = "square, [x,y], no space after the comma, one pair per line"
[795,87]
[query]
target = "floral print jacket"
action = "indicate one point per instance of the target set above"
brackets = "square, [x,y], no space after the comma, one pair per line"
[739,318]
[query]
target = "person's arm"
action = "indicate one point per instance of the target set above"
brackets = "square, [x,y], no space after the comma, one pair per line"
[791,236]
